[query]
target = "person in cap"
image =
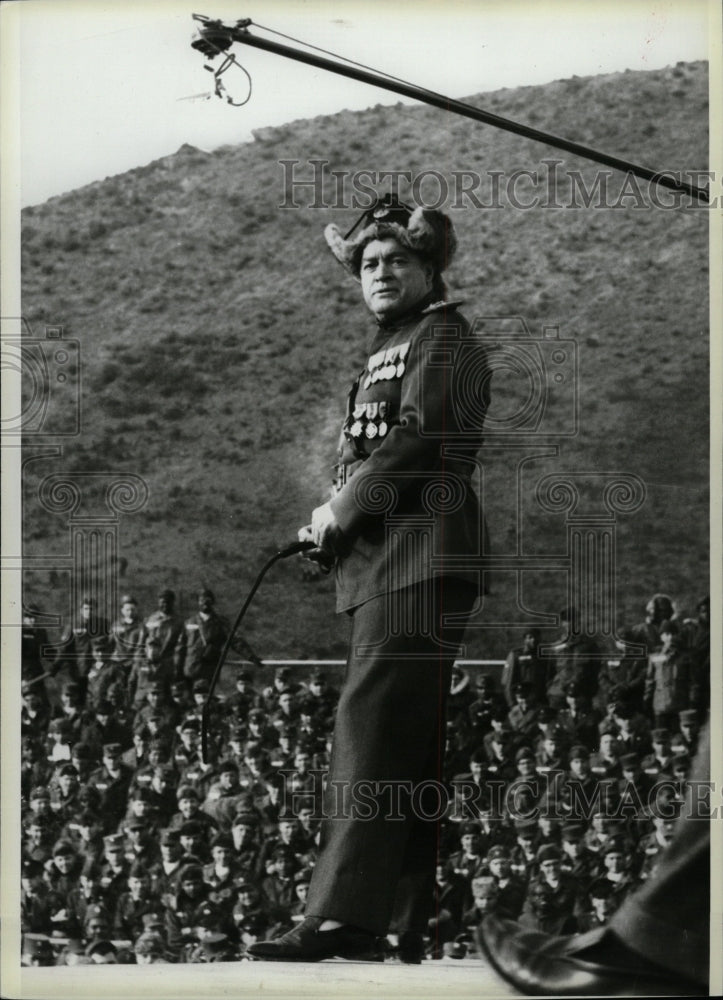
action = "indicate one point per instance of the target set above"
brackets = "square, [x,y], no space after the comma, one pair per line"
[522,717]
[113,868]
[162,787]
[659,608]
[97,925]
[632,729]
[487,703]
[89,892]
[550,753]
[577,657]
[35,711]
[63,872]
[181,909]
[689,729]
[103,726]
[320,698]
[605,762]
[524,791]
[467,860]
[523,853]
[102,673]
[202,640]
[166,628]
[34,899]
[511,889]
[485,895]
[616,867]
[669,679]
[189,810]
[74,654]
[401,410]
[133,903]
[150,949]
[624,671]
[450,894]
[499,724]
[524,665]
[127,635]
[112,780]
[501,766]
[578,720]
[245,696]
[599,906]
[577,860]
[551,895]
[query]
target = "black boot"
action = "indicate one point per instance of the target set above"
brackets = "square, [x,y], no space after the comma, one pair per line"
[306,943]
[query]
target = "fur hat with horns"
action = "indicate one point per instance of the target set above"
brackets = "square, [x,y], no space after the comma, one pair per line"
[426,231]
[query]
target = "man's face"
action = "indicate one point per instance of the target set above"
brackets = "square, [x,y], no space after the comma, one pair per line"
[393,278]
[602,907]
[607,744]
[470,843]
[500,867]
[205,603]
[286,701]
[221,855]
[128,610]
[188,807]
[68,783]
[63,862]
[301,762]
[550,870]
[85,611]
[615,862]
[286,831]
[192,887]
[529,642]
[579,766]
[228,779]
[165,604]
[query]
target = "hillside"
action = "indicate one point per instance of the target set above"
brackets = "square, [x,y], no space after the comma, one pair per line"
[218,337]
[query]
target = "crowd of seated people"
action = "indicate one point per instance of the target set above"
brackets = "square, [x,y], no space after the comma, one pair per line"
[562,780]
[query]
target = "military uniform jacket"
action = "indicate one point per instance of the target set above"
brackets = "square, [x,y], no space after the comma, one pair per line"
[406,451]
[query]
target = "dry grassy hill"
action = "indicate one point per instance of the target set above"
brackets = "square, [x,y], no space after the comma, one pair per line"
[218,337]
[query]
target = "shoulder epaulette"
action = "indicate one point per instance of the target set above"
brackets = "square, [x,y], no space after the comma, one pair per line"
[442,304]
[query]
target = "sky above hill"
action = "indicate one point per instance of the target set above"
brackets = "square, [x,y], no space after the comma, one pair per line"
[97,88]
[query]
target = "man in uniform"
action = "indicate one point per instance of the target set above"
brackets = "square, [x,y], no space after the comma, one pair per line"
[401,522]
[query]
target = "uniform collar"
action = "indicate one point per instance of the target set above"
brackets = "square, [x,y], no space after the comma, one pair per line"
[424,307]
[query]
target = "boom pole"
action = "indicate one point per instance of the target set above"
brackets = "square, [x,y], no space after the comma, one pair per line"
[215,37]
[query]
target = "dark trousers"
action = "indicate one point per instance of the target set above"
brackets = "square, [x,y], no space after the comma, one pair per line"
[384,795]
[668,920]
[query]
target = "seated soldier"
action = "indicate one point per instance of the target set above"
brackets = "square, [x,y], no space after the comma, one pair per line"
[551,896]
[659,763]
[522,717]
[601,904]
[606,762]
[511,889]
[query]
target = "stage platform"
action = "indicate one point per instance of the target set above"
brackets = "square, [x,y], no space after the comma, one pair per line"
[447,978]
